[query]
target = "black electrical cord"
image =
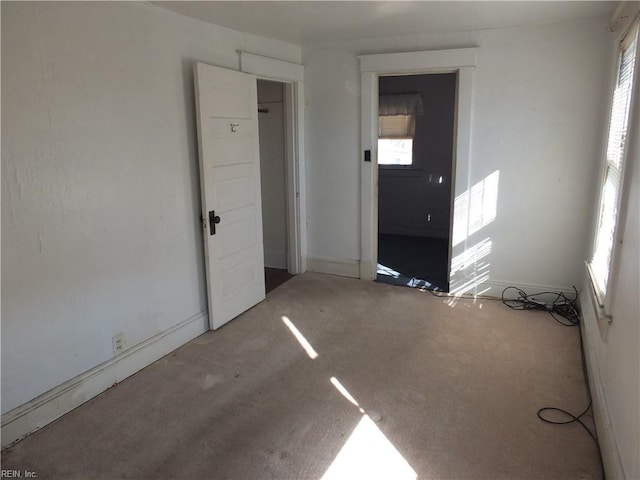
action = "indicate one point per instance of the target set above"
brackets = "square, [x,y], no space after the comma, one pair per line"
[566,308]
[558,304]
[577,418]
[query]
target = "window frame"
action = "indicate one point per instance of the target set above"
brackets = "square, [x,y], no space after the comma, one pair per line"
[603,298]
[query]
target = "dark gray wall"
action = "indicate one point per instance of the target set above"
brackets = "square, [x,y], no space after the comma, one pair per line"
[406,197]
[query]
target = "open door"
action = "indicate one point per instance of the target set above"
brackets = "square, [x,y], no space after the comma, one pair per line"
[227,119]
[416,135]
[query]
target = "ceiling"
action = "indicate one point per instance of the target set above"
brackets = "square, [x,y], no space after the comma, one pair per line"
[335,21]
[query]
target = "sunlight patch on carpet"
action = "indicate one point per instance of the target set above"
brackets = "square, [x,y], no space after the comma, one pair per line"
[304,343]
[369,454]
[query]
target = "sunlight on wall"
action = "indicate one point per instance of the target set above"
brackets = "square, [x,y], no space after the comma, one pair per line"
[471,256]
[301,340]
[369,454]
[470,259]
[475,208]
[480,275]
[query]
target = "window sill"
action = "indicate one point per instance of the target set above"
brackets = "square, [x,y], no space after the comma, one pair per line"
[597,299]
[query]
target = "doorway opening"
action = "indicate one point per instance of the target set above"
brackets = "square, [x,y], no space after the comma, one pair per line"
[416,136]
[273,178]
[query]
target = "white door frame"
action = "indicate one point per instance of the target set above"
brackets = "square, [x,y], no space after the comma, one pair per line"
[461,61]
[292,75]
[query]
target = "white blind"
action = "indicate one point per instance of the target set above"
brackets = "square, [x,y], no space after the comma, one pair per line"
[618,125]
[397,126]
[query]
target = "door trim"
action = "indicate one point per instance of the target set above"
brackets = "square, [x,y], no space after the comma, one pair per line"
[461,61]
[292,75]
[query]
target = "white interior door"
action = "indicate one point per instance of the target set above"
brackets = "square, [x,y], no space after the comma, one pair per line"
[227,115]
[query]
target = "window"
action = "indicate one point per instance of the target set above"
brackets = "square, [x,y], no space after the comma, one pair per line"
[395,151]
[600,265]
[397,128]
[395,139]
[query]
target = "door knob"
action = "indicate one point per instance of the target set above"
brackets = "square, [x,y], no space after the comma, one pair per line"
[213,220]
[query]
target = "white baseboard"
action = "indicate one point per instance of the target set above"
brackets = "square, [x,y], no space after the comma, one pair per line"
[49,406]
[343,268]
[606,436]
[495,288]
[275,259]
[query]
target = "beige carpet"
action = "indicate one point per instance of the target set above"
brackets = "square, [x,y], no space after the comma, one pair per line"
[403,385]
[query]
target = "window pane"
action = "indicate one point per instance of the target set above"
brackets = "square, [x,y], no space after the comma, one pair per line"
[396,151]
[610,194]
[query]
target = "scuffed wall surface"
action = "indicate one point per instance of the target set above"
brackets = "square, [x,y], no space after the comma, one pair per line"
[100,192]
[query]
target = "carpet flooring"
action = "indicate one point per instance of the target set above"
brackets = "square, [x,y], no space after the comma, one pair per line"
[332,377]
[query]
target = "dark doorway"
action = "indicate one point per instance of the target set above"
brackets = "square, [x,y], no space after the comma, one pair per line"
[271,124]
[274,277]
[415,162]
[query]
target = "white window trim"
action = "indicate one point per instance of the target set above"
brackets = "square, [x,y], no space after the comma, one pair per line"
[602,301]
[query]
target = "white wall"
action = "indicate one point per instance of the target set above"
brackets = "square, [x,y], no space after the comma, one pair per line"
[614,349]
[537,101]
[100,195]
[332,83]
[272,173]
